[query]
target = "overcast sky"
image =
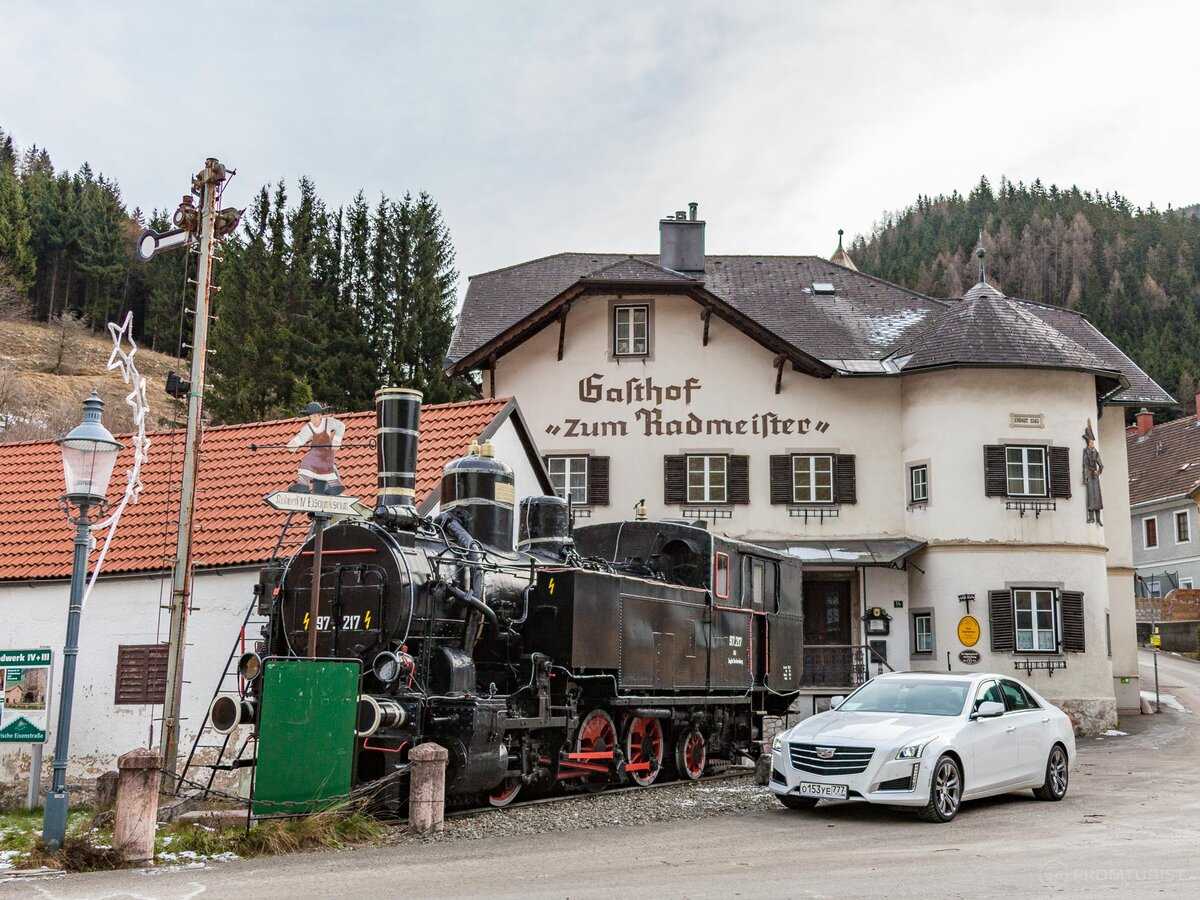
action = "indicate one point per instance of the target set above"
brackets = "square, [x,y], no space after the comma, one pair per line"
[550,126]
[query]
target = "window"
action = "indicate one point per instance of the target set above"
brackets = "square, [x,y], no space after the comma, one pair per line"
[989,692]
[1154,588]
[1150,532]
[760,584]
[1026,471]
[706,479]
[569,476]
[1183,527]
[141,674]
[1015,697]
[721,575]
[812,479]
[1186,583]
[631,330]
[922,632]
[918,484]
[1035,620]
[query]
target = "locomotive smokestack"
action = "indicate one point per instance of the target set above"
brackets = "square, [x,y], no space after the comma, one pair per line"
[397,427]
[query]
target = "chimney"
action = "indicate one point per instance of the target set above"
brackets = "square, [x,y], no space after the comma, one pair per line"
[1145,421]
[681,241]
[398,425]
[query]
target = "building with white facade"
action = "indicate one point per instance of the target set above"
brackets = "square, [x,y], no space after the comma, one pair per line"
[923,456]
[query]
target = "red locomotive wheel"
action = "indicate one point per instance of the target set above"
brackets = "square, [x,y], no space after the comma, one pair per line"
[505,792]
[643,749]
[597,735]
[691,755]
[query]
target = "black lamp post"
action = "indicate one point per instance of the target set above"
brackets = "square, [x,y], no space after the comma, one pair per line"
[89,454]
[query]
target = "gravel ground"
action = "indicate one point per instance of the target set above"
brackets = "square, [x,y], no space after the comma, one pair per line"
[685,800]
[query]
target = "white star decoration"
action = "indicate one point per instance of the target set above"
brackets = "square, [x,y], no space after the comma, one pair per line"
[121,360]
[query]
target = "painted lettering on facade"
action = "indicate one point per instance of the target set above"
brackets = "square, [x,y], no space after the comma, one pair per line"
[650,420]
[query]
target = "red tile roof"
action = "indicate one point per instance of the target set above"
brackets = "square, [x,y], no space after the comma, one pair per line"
[233,525]
[1164,462]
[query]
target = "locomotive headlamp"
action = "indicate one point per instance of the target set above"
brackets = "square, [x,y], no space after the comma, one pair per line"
[249,666]
[386,667]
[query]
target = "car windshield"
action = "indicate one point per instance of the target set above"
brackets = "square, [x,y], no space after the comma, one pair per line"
[909,695]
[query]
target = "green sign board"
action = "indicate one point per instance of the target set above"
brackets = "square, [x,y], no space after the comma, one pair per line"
[306,723]
[25,699]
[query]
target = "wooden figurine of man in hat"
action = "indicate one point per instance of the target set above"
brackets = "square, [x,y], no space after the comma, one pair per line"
[323,435]
[1092,467]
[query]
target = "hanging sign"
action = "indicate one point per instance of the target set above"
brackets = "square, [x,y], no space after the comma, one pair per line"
[320,504]
[968,631]
[25,703]
[968,657]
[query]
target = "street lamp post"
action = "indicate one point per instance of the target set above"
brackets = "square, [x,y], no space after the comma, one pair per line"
[89,454]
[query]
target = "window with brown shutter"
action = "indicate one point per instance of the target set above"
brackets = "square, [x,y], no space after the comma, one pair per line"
[1060,472]
[597,486]
[995,479]
[739,479]
[1071,608]
[674,479]
[847,480]
[1000,621]
[141,674]
[781,478]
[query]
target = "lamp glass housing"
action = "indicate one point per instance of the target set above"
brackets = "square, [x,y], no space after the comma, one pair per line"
[89,454]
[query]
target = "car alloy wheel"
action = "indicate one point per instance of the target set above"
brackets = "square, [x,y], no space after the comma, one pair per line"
[1057,776]
[945,792]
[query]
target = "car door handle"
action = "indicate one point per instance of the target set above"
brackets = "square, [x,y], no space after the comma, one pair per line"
[1045,720]
[1010,729]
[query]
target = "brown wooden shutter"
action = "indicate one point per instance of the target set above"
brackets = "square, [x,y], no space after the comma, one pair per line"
[995,478]
[1000,620]
[738,479]
[597,480]
[1071,607]
[782,490]
[141,673]
[1060,472]
[674,479]
[846,481]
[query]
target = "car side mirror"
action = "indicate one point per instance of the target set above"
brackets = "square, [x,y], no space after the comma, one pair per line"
[988,709]
[837,701]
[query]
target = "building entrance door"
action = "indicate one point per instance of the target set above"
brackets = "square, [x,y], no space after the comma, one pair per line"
[827,612]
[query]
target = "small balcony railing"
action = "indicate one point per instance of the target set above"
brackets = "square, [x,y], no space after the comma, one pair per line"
[840,665]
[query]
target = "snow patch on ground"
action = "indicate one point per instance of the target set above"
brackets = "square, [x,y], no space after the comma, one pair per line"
[1112,732]
[1166,699]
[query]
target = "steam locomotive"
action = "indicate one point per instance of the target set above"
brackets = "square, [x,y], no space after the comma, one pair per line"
[627,651]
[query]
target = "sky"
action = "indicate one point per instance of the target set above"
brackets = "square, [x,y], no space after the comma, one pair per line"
[547,126]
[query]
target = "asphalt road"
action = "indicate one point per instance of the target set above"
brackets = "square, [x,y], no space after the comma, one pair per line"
[1129,825]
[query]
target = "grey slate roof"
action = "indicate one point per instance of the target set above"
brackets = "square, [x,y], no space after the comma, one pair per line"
[1165,462]
[867,326]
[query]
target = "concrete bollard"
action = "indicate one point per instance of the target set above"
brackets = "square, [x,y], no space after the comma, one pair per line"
[136,817]
[427,787]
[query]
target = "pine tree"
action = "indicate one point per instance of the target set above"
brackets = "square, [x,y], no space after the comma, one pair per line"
[16,251]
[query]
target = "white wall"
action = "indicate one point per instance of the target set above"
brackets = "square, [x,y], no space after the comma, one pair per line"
[121,610]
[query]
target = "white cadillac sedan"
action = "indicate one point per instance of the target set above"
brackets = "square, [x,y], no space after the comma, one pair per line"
[927,741]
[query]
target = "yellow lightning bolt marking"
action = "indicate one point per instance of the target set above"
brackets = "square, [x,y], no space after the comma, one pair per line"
[550,587]
[367,619]
[306,620]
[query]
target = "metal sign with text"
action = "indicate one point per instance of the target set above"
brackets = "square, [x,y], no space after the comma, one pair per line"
[25,703]
[318,504]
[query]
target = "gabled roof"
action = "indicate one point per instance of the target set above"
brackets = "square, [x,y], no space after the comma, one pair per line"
[233,526]
[1164,462]
[865,326]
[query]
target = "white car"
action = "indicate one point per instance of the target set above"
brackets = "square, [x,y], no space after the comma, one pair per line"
[926,741]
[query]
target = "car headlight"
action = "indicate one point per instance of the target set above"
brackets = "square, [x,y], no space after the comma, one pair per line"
[913,751]
[777,743]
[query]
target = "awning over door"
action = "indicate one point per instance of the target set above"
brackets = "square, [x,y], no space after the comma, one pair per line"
[890,552]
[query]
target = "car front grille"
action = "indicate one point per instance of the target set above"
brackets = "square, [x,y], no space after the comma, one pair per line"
[844,761]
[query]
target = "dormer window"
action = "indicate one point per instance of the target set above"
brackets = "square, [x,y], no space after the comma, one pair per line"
[631,330]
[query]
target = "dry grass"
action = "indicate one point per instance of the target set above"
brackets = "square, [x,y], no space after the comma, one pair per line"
[79,853]
[44,378]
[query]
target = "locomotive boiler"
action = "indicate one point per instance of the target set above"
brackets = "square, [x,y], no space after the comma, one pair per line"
[578,658]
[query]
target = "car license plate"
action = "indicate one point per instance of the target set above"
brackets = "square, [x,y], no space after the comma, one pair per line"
[824,791]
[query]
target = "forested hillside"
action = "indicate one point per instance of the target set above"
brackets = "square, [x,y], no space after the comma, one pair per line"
[1135,272]
[317,302]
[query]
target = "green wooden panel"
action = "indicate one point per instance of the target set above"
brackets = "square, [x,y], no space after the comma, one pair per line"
[305,735]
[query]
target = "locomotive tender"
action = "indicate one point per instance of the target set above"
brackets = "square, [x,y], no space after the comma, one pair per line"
[626,651]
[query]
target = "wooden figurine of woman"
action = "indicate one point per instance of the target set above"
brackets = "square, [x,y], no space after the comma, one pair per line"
[318,470]
[1092,467]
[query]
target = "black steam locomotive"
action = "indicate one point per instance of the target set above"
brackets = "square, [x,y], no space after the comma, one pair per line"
[626,651]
